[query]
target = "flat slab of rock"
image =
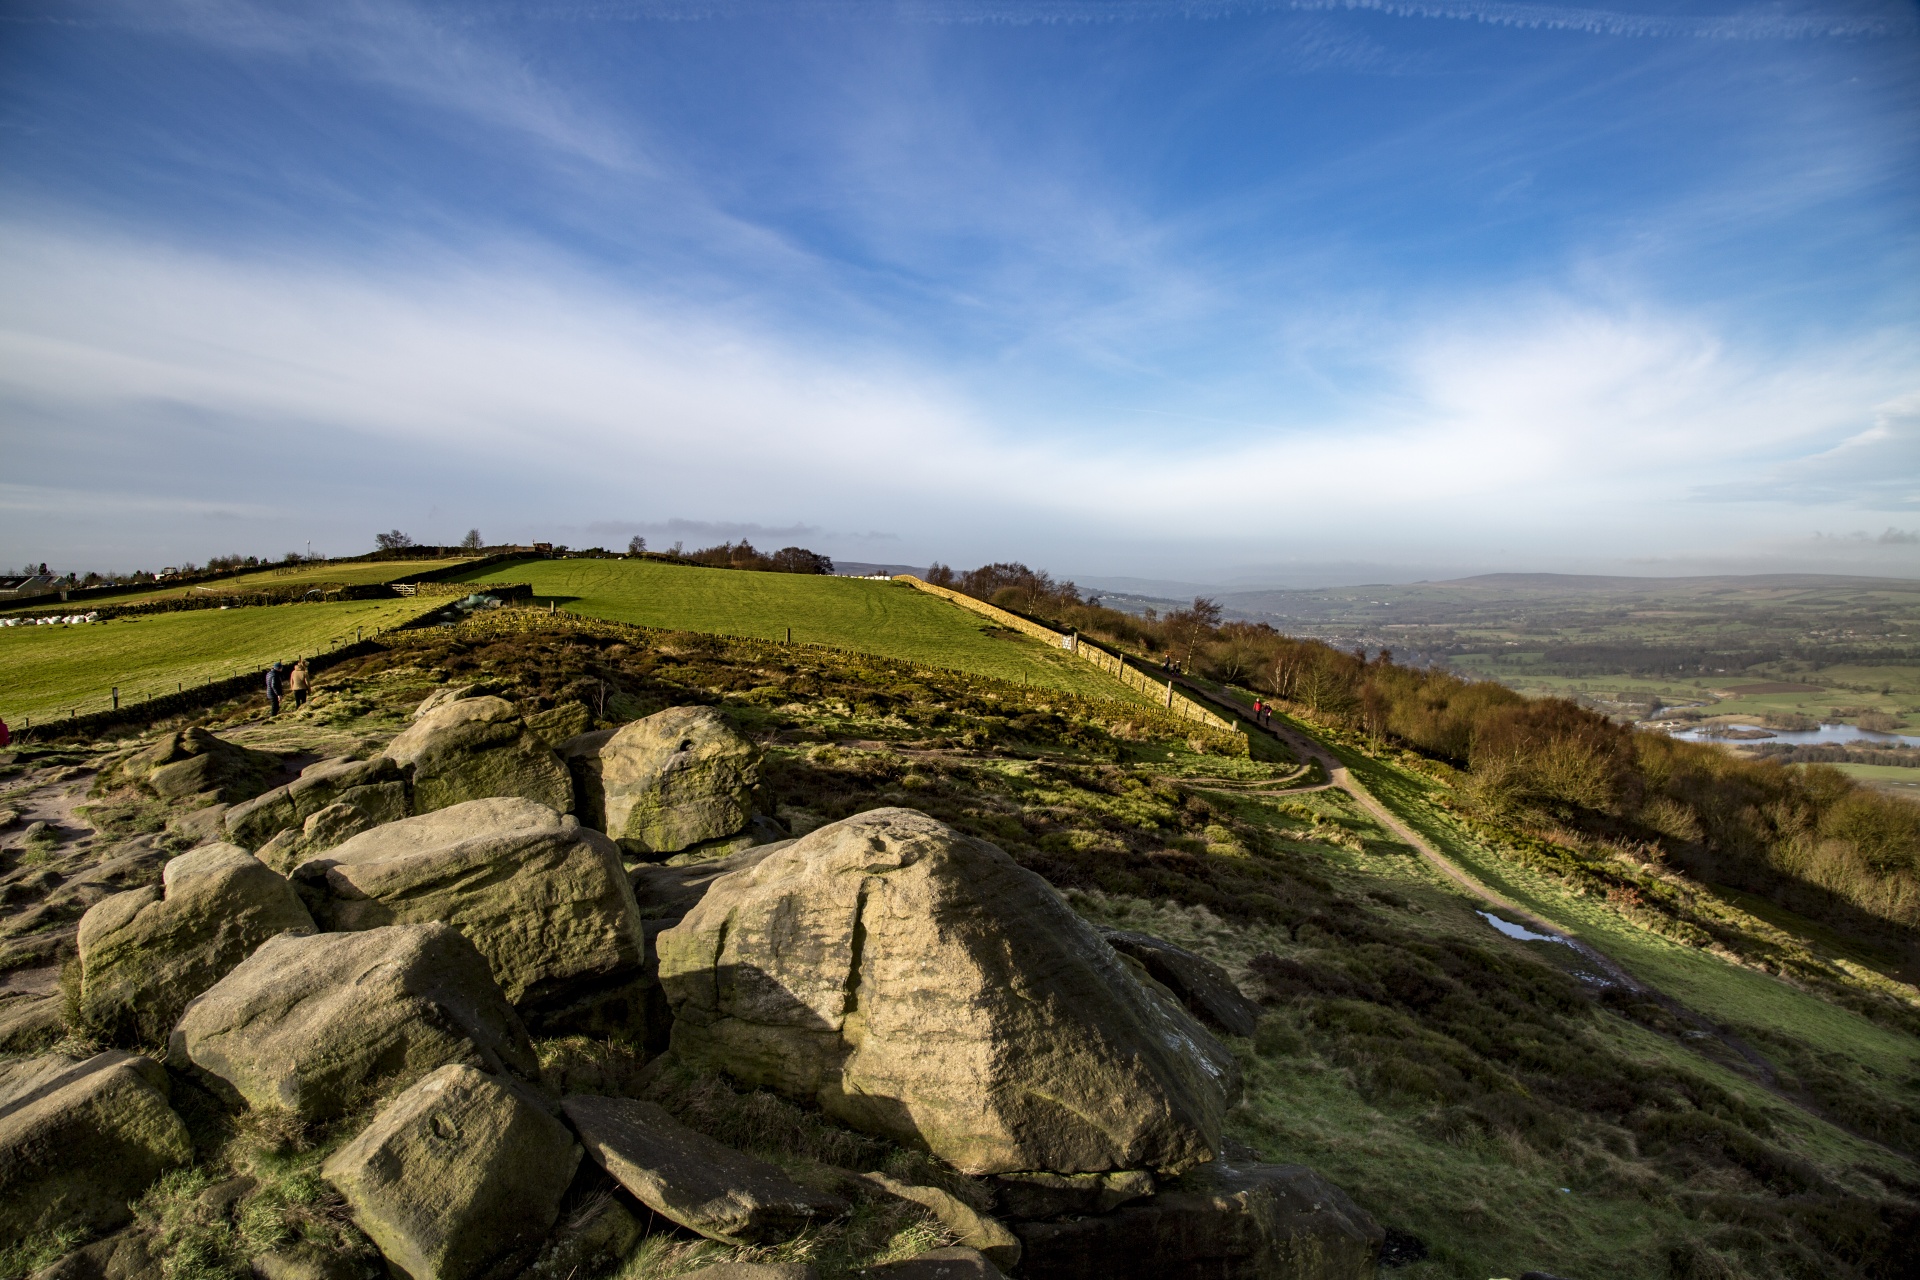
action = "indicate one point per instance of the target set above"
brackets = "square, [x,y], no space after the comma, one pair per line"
[1203,986]
[971,1228]
[457,1177]
[80,1139]
[920,984]
[146,952]
[956,1263]
[688,1177]
[1220,1222]
[376,788]
[478,748]
[673,780]
[545,900]
[754,1271]
[315,1025]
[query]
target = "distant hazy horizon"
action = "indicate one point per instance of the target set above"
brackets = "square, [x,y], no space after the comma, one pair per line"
[1225,291]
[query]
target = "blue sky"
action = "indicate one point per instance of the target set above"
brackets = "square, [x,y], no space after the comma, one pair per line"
[1217,292]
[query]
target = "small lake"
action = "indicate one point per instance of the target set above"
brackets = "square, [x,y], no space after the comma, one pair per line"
[1826,734]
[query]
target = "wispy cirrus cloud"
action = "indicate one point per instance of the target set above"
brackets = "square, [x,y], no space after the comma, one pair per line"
[1869,19]
[580,404]
[1877,469]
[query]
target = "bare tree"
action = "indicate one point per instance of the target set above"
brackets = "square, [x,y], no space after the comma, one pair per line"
[1193,622]
[392,540]
[636,544]
[472,541]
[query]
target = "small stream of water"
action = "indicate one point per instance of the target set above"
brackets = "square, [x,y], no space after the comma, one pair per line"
[1520,931]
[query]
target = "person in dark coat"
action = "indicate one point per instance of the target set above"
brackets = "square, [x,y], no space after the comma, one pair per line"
[273,689]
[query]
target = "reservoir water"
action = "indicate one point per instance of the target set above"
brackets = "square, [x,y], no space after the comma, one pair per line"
[1826,734]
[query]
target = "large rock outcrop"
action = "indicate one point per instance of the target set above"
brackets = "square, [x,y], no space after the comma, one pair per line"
[459,1177]
[476,748]
[545,900]
[317,1024]
[145,953]
[919,983]
[663,784]
[193,762]
[80,1139]
[1218,1222]
[375,788]
[691,1179]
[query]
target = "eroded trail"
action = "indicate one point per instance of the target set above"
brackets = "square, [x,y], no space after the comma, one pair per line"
[1698,1025]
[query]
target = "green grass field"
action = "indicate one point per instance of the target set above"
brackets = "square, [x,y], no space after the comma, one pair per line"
[1891,778]
[47,671]
[354,573]
[883,618]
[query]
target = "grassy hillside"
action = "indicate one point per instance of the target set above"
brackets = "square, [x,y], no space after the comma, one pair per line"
[45,671]
[350,573]
[874,617]
[1492,1106]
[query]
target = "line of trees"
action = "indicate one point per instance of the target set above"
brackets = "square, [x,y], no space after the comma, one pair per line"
[1806,837]
[743,555]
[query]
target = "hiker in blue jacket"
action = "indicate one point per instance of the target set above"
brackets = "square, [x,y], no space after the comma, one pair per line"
[273,689]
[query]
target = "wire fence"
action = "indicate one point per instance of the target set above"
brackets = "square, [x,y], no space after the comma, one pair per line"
[148,697]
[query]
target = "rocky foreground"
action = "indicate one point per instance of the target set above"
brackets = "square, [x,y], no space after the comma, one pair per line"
[371,945]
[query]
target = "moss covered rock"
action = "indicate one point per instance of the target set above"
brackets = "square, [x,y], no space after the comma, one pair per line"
[666,783]
[477,748]
[80,1139]
[192,762]
[545,900]
[145,953]
[375,788]
[316,1025]
[456,1178]
[918,983]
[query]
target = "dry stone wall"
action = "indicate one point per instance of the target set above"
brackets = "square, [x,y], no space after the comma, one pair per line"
[1176,703]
